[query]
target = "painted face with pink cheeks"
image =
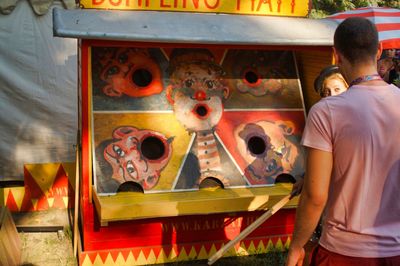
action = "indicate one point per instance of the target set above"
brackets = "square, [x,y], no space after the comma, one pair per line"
[130,72]
[254,81]
[267,150]
[197,92]
[138,156]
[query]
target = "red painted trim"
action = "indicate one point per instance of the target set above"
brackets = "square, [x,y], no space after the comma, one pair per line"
[86,215]
[85,121]
[182,230]
[107,43]
[90,256]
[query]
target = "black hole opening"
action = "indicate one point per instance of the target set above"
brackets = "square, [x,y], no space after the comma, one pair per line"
[152,148]
[130,186]
[251,77]
[11,183]
[256,145]
[142,77]
[285,178]
[201,111]
[209,182]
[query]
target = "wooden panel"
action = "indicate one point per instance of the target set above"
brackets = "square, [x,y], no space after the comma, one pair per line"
[310,64]
[131,205]
[46,186]
[10,243]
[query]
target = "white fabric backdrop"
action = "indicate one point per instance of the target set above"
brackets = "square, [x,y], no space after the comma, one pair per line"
[38,94]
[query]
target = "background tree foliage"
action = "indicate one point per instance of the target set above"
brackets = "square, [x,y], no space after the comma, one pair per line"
[322,8]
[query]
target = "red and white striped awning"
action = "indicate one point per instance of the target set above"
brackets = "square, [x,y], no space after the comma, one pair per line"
[386,20]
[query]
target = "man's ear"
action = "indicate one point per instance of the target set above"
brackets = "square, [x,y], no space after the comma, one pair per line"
[380,50]
[336,56]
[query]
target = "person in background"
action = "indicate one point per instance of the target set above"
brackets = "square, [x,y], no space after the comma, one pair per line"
[394,73]
[385,65]
[389,53]
[389,66]
[353,162]
[330,82]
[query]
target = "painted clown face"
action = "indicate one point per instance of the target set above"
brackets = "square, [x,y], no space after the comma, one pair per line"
[266,149]
[260,73]
[138,156]
[196,93]
[130,72]
[254,81]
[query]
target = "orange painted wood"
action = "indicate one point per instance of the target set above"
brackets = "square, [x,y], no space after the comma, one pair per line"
[310,63]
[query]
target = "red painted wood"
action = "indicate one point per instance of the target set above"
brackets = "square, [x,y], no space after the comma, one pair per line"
[171,232]
[182,230]
[10,202]
[193,45]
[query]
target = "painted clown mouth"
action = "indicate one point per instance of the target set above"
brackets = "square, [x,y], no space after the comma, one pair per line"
[201,111]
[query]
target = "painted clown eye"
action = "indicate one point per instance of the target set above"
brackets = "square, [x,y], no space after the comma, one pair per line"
[122,58]
[210,84]
[272,166]
[151,179]
[118,151]
[112,71]
[189,83]
[131,169]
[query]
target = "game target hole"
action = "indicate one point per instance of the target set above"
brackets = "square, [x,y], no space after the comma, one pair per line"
[202,111]
[251,77]
[211,182]
[142,77]
[285,178]
[130,186]
[152,148]
[256,145]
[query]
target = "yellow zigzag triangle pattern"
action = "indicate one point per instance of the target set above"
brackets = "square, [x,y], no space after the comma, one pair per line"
[264,246]
[44,175]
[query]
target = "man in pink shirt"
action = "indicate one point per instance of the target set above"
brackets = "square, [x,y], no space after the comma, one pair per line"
[353,162]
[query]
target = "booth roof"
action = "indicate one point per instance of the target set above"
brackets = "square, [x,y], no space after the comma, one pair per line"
[195,28]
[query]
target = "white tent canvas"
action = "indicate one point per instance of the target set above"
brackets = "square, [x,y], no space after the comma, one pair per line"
[38,94]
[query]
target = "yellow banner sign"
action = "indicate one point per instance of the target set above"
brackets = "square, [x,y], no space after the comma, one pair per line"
[297,8]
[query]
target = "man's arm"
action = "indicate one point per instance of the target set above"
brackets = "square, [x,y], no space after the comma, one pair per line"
[312,201]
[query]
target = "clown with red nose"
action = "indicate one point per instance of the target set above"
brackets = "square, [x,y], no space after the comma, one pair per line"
[196,92]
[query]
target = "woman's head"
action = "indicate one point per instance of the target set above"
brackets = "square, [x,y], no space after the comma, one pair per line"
[390,53]
[330,82]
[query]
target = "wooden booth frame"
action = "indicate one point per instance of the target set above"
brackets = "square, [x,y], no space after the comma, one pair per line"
[137,229]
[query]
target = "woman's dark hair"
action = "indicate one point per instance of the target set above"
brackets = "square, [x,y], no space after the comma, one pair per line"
[356,39]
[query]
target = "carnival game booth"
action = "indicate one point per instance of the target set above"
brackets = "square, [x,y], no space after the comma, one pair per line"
[187,120]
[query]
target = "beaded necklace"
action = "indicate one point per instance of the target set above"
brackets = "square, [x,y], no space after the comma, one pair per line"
[365,78]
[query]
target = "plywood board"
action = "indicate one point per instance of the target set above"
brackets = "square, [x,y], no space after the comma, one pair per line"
[171,119]
[10,243]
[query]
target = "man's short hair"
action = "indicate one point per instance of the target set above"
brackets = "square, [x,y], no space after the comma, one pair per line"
[356,39]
